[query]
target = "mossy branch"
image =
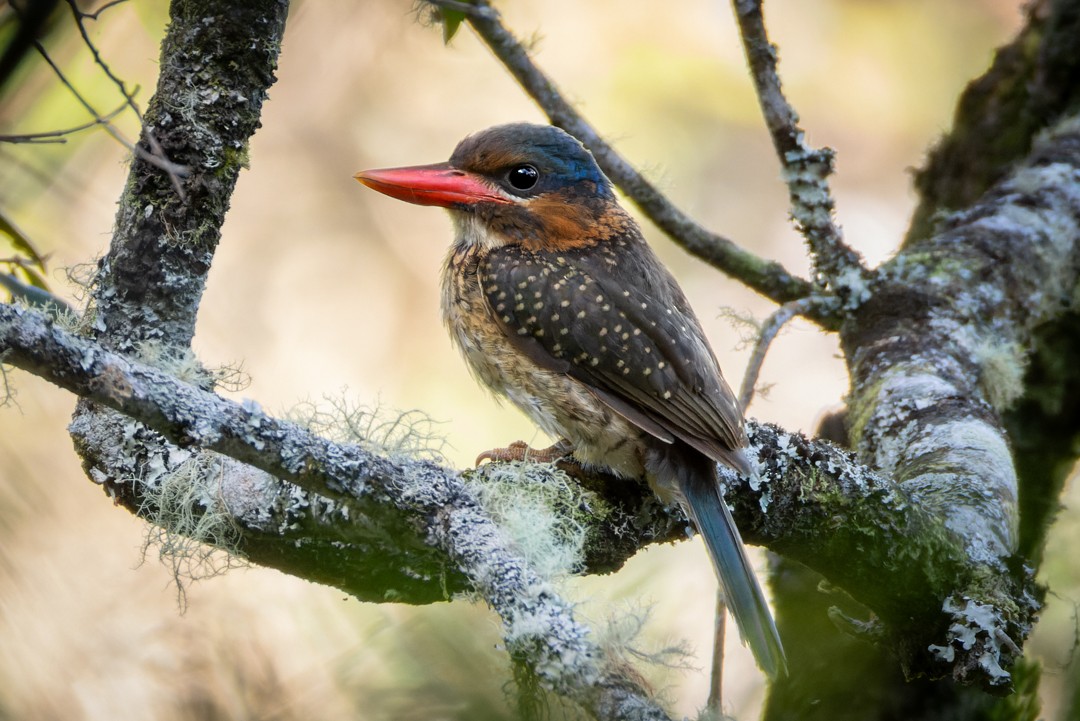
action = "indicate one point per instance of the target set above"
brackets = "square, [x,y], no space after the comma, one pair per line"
[1030,84]
[812,503]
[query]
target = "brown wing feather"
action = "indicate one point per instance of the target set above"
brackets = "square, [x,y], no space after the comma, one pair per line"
[622,328]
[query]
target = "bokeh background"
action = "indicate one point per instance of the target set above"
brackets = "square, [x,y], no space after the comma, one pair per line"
[323,288]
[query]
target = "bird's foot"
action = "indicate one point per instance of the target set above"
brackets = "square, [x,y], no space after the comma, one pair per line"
[520,451]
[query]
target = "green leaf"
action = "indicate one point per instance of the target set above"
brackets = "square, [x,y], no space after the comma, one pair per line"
[451,21]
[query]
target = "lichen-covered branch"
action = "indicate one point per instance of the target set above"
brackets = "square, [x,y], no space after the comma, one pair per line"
[814,503]
[938,353]
[1030,84]
[806,170]
[767,277]
[349,483]
[408,504]
[217,64]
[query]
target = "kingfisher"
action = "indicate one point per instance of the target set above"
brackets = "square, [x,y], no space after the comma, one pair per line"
[557,303]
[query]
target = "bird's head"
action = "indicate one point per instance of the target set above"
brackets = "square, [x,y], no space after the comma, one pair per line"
[533,185]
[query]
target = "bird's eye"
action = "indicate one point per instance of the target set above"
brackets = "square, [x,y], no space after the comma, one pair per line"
[523,177]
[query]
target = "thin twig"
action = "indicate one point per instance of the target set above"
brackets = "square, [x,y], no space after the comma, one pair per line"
[466,8]
[805,169]
[58,136]
[769,330]
[156,151]
[766,335]
[129,97]
[175,171]
[715,702]
[94,15]
[767,277]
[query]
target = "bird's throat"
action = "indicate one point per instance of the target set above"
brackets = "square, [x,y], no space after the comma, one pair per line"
[470,231]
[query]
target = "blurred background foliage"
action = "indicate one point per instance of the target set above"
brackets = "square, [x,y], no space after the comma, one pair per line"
[319,288]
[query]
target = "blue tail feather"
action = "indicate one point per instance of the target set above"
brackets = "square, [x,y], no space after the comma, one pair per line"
[700,487]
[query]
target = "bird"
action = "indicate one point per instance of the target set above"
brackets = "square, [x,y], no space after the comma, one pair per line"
[557,303]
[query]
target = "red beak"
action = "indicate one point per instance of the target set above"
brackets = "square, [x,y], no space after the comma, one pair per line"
[439,184]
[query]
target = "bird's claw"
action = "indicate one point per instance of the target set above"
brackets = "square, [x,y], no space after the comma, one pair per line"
[520,451]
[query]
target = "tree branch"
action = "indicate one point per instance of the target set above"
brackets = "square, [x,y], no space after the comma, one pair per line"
[766,335]
[805,488]
[805,169]
[415,503]
[1031,83]
[939,351]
